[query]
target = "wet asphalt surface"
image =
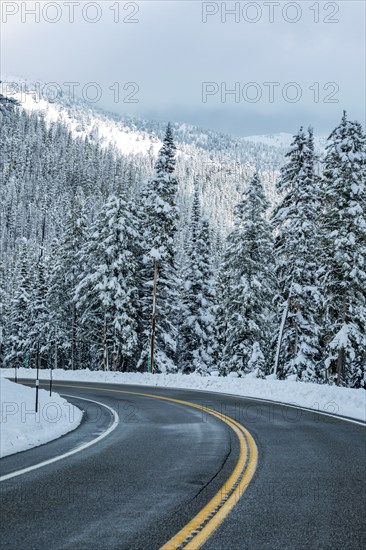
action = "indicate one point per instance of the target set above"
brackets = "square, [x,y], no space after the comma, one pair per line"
[141,484]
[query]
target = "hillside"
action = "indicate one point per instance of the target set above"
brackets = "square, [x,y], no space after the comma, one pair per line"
[221,162]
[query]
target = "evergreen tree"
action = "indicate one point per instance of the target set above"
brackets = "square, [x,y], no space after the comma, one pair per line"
[63,326]
[295,221]
[343,254]
[257,362]
[107,292]
[7,103]
[197,316]
[56,298]
[67,277]
[19,333]
[220,313]
[40,314]
[250,282]
[159,221]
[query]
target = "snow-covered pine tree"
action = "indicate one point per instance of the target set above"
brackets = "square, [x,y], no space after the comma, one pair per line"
[106,295]
[295,221]
[18,341]
[7,103]
[343,254]
[159,221]
[220,313]
[197,316]
[40,313]
[70,272]
[57,335]
[257,362]
[250,282]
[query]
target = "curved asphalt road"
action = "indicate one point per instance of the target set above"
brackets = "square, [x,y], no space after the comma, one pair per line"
[140,485]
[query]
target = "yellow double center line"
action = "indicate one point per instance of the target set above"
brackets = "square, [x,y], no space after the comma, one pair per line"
[197,531]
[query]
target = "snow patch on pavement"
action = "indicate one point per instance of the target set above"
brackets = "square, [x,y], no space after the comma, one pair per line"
[21,428]
[320,397]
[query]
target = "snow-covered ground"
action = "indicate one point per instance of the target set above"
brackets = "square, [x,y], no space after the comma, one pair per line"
[323,398]
[109,131]
[21,428]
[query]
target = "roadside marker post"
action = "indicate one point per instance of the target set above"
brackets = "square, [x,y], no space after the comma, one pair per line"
[51,368]
[37,376]
[51,380]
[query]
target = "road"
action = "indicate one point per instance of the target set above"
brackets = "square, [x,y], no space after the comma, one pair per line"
[144,482]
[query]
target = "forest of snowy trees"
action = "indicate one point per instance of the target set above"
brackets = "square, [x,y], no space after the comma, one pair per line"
[84,230]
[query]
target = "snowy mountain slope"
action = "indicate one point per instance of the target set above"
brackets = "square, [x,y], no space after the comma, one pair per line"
[283,140]
[98,126]
[132,135]
[275,140]
[222,163]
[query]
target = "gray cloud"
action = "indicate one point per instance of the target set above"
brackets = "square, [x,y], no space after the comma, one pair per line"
[170,52]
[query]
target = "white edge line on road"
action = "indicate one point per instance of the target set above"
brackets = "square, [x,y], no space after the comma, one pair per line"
[307,409]
[112,427]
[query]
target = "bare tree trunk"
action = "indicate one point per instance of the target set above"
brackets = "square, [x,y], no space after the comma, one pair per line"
[105,343]
[296,341]
[280,334]
[153,321]
[340,365]
[341,360]
[73,336]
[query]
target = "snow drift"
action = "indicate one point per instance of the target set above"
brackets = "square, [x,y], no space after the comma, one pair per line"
[21,428]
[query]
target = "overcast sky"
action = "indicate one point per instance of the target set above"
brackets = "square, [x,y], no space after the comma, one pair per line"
[169,49]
